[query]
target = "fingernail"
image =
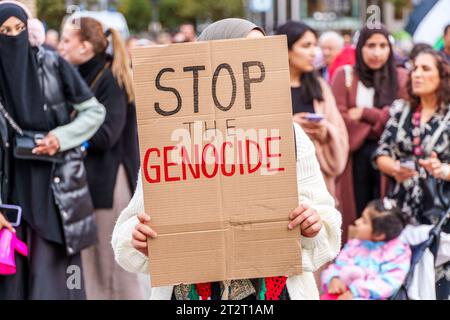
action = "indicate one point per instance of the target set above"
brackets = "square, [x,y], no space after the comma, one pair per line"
[289,227]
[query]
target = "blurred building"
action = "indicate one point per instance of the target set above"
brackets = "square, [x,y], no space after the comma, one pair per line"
[339,15]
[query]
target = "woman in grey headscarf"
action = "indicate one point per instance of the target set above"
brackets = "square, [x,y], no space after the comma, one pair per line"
[232,28]
[319,221]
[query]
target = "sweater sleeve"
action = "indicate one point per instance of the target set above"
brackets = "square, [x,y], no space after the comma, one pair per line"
[125,254]
[377,118]
[90,116]
[388,280]
[312,191]
[333,154]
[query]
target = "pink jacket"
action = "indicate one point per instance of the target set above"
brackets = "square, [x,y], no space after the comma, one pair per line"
[371,270]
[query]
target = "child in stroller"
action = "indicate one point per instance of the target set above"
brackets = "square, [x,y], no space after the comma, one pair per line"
[374,264]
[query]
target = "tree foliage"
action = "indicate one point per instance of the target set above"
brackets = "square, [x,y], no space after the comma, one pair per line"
[51,12]
[172,13]
[137,12]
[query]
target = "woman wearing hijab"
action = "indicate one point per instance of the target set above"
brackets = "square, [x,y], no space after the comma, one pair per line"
[364,94]
[36,89]
[320,235]
[112,160]
[311,95]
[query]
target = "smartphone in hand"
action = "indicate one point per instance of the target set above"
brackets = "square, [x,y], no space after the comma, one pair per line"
[12,213]
[408,164]
[313,117]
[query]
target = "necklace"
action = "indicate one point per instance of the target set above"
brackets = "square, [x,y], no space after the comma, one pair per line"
[417,140]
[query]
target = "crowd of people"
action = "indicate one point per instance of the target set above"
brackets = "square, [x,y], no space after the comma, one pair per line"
[372,135]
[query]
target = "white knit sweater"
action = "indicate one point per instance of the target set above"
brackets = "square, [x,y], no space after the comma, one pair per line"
[315,251]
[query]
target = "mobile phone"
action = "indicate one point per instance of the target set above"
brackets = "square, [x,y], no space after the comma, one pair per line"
[408,164]
[12,213]
[314,117]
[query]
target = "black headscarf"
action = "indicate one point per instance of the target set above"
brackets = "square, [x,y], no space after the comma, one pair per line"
[20,90]
[21,93]
[383,80]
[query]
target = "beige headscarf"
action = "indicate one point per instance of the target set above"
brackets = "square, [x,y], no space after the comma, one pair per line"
[232,28]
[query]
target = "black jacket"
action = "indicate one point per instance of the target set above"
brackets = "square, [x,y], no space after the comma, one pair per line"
[116,141]
[69,181]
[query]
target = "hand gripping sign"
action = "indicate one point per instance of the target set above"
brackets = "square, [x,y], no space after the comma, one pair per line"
[218,159]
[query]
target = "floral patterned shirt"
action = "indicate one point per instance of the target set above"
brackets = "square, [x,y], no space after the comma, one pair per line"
[397,143]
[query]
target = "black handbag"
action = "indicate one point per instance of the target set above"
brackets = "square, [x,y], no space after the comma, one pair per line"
[25,141]
[436,200]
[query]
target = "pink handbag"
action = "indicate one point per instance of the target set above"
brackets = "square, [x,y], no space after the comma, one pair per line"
[9,244]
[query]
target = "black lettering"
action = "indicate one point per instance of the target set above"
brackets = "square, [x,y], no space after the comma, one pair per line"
[190,127]
[195,70]
[230,127]
[212,128]
[168,89]
[248,81]
[227,67]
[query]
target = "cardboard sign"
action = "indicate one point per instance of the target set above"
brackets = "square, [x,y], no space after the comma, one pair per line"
[218,159]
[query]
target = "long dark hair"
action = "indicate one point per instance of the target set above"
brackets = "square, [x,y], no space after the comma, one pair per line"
[310,89]
[384,80]
[443,91]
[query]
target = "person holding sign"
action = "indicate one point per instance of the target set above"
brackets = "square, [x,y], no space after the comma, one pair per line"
[316,217]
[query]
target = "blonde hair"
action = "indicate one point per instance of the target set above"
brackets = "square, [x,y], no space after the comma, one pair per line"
[121,67]
[91,30]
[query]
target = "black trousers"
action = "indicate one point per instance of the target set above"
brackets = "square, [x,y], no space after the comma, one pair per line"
[366,180]
[48,273]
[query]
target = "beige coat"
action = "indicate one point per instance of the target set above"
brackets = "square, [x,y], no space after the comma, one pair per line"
[333,154]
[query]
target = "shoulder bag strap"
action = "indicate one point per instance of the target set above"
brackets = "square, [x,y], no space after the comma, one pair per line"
[348,71]
[10,120]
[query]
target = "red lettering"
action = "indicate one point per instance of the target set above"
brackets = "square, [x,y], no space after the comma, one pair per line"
[156,168]
[241,157]
[186,160]
[270,155]
[224,165]
[204,164]
[249,165]
[192,168]
[169,164]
